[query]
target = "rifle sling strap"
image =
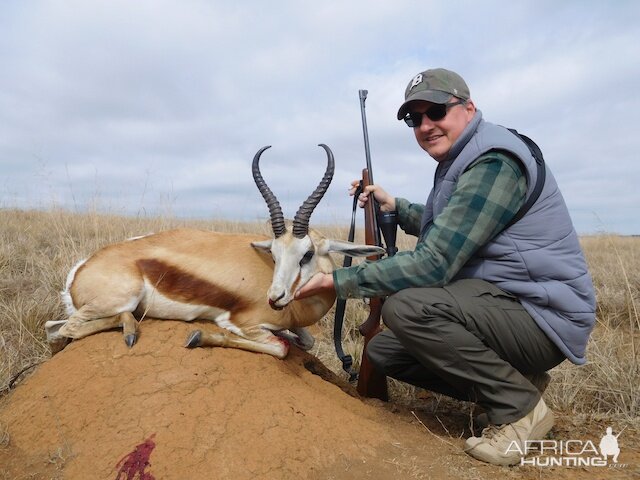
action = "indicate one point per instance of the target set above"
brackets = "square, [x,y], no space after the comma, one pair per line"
[341,304]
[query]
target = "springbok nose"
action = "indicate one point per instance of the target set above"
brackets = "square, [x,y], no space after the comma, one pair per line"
[272,303]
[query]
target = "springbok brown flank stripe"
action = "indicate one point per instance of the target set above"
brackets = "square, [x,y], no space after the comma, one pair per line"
[181,286]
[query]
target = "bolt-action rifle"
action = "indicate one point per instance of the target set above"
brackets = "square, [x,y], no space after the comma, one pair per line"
[371,383]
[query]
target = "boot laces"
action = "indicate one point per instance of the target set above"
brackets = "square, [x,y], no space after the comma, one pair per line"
[494,434]
[492,431]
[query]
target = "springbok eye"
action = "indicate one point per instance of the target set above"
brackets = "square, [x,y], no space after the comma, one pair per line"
[307,258]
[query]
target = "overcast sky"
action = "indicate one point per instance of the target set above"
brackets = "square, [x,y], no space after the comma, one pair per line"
[157,107]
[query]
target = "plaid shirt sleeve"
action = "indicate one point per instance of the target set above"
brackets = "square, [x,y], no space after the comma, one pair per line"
[488,195]
[409,216]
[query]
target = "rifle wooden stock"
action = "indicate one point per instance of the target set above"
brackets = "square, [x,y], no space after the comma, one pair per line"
[371,382]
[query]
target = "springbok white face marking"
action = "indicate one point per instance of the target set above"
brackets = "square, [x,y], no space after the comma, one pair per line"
[295,262]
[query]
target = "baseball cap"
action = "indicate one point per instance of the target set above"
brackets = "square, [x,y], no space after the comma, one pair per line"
[436,86]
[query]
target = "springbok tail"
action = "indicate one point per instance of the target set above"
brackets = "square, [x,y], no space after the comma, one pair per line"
[66,293]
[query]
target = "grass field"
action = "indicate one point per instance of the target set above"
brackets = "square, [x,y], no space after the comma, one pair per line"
[37,249]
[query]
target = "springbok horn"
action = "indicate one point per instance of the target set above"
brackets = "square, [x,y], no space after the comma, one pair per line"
[275,211]
[301,220]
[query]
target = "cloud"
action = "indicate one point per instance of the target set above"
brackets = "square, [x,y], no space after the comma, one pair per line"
[149,103]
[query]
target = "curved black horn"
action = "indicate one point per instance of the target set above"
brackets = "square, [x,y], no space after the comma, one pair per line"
[301,220]
[275,211]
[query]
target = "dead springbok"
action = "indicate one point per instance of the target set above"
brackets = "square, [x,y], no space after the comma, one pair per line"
[188,274]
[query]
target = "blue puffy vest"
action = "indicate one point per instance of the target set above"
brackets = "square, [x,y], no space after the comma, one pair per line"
[538,259]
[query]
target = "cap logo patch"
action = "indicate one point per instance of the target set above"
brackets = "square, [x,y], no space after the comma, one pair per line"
[417,80]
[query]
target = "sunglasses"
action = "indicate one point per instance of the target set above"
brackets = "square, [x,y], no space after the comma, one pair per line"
[434,113]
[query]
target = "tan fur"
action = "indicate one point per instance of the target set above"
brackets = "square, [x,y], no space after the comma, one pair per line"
[187,274]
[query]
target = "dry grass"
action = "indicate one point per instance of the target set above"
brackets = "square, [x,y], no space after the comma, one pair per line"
[37,249]
[609,383]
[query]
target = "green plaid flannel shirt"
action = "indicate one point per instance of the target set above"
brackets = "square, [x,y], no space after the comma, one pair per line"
[488,195]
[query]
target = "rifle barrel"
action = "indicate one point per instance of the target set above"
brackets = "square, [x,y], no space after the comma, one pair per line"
[373,207]
[367,151]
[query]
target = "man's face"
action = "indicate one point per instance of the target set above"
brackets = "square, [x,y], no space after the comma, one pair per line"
[437,137]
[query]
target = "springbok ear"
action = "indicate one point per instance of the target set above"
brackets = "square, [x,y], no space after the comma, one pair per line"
[348,248]
[264,245]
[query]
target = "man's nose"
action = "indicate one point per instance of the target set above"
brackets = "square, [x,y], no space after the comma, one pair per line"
[426,123]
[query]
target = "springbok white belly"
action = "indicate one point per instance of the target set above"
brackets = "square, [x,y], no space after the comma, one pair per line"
[155,304]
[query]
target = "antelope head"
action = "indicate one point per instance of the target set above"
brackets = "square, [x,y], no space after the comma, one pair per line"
[299,254]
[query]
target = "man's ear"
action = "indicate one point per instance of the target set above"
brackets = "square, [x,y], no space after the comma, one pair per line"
[470,107]
[348,248]
[264,245]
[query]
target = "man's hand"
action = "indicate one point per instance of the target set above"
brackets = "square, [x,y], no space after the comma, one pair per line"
[320,282]
[387,202]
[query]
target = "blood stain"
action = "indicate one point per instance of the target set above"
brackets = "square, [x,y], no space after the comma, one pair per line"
[136,462]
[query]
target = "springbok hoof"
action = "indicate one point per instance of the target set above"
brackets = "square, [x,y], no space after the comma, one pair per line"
[52,329]
[194,339]
[130,340]
[305,346]
[58,345]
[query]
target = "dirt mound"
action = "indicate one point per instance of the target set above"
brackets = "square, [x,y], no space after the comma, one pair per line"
[159,411]
[98,410]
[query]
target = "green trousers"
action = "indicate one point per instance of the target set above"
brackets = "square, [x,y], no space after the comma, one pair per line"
[468,340]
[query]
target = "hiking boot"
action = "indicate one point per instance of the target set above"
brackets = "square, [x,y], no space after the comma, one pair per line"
[496,445]
[539,380]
